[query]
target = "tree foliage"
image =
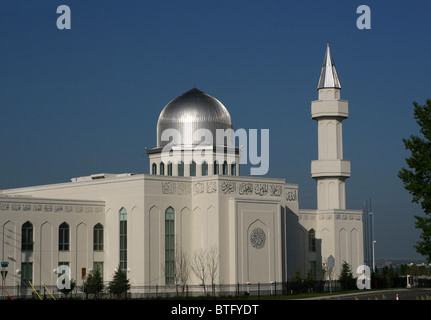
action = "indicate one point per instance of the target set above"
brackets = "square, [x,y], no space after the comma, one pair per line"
[119,283]
[346,279]
[93,284]
[417,177]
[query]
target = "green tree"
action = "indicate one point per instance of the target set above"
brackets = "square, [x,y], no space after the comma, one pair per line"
[297,282]
[119,283]
[404,268]
[309,281]
[93,284]
[345,278]
[388,275]
[417,179]
[66,291]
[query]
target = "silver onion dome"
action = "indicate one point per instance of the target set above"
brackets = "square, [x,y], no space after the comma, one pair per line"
[189,112]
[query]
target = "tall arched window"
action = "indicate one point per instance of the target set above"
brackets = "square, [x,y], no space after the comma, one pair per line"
[123,239]
[98,237]
[63,237]
[154,169]
[233,169]
[27,237]
[312,240]
[170,169]
[216,168]
[162,169]
[169,245]
[193,169]
[204,168]
[225,168]
[181,169]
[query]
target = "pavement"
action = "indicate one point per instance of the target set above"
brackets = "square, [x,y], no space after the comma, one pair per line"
[389,294]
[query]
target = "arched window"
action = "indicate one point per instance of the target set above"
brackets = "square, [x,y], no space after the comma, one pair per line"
[27,237]
[233,169]
[204,168]
[170,169]
[63,237]
[193,169]
[170,246]
[154,169]
[181,169]
[162,169]
[225,168]
[98,237]
[123,239]
[216,168]
[312,240]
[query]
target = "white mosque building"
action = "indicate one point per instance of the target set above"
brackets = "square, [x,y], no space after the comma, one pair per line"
[140,222]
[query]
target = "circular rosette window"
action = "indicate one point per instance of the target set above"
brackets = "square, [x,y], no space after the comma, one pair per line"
[258,238]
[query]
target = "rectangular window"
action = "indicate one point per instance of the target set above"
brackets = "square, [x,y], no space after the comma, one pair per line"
[233,169]
[98,265]
[26,273]
[216,167]
[63,237]
[63,271]
[27,237]
[181,169]
[312,241]
[204,168]
[123,239]
[193,169]
[170,246]
[98,238]
[313,268]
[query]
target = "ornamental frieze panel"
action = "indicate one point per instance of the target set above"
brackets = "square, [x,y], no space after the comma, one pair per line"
[168,187]
[228,187]
[57,208]
[261,189]
[275,190]
[211,187]
[291,195]
[245,188]
[198,188]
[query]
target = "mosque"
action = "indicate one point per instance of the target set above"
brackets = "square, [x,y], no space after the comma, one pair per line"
[252,226]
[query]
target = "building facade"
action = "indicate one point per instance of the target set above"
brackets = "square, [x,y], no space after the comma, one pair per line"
[252,226]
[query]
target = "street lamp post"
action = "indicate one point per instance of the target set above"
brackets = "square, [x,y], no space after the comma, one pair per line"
[372,234]
[374,266]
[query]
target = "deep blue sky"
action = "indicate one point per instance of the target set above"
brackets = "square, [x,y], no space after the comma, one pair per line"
[86,100]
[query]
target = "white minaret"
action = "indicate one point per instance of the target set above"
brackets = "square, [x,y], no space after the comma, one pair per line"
[330,170]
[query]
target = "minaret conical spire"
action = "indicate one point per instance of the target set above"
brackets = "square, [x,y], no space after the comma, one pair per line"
[328,75]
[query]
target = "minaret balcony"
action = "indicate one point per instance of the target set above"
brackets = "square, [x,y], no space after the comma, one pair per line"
[329,108]
[330,168]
